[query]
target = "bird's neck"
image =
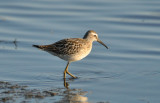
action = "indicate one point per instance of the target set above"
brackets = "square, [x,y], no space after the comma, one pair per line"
[89,39]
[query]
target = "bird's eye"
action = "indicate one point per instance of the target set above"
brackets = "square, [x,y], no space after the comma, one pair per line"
[95,36]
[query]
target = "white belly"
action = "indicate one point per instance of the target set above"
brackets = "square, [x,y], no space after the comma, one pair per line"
[75,57]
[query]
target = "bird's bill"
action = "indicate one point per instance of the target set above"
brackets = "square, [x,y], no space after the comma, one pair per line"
[102,43]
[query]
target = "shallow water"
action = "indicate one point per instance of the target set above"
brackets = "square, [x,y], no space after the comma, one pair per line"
[128,72]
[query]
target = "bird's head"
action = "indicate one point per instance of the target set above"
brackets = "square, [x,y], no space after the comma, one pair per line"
[93,36]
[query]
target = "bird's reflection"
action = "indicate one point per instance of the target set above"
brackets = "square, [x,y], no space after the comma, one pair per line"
[73,95]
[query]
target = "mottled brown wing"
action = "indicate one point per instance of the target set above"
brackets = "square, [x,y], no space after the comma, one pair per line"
[67,46]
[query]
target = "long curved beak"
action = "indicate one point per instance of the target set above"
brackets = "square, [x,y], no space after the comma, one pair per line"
[98,40]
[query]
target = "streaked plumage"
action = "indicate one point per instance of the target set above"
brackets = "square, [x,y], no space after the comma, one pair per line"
[72,49]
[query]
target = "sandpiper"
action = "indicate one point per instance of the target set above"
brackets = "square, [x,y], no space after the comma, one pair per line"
[72,49]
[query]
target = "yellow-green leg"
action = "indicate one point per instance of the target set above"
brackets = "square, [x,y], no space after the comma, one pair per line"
[65,83]
[66,71]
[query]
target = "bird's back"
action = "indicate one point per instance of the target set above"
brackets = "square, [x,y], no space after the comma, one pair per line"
[65,47]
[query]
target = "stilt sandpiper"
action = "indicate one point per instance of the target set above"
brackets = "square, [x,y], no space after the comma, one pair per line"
[72,49]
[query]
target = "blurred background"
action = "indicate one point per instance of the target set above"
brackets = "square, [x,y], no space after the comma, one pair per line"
[128,72]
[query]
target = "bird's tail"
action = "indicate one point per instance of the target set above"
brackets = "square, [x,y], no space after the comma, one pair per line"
[38,46]
[44,47]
